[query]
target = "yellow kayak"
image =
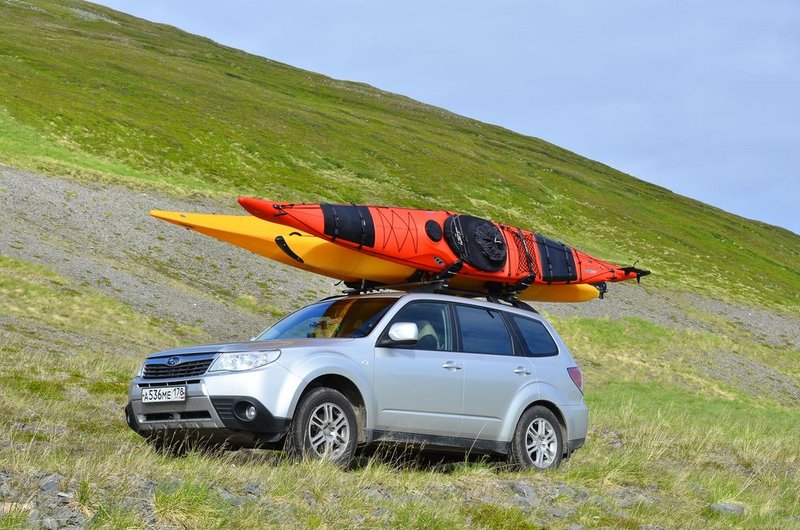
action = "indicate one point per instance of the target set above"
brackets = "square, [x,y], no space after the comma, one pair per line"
[304,251]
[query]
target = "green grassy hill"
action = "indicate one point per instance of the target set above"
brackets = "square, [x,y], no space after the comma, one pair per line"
[693,398]
[91,92]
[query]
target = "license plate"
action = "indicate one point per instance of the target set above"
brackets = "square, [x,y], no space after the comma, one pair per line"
[163,394]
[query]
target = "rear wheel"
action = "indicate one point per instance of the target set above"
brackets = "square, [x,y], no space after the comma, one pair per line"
[324,427]
[537,441]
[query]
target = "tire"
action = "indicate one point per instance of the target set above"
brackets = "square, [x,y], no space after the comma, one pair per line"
[537,442]
[324,428]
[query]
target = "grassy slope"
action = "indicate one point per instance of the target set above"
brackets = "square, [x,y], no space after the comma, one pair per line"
[156,107]
[666,441]
[149,104]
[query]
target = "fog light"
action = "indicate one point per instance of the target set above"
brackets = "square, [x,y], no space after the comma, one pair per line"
[250,412]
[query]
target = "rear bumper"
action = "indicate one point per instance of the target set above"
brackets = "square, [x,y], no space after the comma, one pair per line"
[577,423]
[573,445]
[576,418]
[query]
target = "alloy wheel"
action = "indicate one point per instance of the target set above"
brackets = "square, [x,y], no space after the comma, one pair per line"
[541,443]
[328,431]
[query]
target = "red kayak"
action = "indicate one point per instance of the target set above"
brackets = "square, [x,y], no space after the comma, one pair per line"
[441,244]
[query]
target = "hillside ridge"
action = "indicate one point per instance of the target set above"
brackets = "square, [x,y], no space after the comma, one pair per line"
[94,93]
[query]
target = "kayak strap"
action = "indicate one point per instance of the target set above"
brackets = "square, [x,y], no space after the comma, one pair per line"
[420,277]
[335,222]
[510,291]
[524,283]
[602,287]
[450,271]
[363,225]
[568,260]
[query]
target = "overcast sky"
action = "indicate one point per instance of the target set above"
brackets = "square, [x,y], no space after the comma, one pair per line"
[700,97]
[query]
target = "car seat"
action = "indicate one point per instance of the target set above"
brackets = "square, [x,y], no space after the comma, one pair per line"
[428,339]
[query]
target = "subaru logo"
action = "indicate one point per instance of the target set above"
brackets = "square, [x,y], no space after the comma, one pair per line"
[172,361]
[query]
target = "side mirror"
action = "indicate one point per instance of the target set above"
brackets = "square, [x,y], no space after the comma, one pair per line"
[401,334]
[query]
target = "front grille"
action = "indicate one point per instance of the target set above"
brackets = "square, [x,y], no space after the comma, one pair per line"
[184,369]
[169,383]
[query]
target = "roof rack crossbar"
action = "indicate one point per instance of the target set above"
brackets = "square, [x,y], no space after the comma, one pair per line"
[439,286]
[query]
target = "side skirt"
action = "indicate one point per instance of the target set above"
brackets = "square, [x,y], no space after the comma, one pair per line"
[439,442]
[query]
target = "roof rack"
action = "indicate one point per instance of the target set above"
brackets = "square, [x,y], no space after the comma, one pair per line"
[439,286]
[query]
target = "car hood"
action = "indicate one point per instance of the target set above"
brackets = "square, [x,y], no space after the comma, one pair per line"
[252,346]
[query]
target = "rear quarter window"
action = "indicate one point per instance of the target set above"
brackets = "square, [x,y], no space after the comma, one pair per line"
[535,337]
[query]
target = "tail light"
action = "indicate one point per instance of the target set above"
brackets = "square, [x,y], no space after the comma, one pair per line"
[576,376]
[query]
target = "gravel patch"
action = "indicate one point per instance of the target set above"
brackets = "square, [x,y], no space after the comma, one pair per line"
[769,327]
[677,310]
[101,235]
[749,375]
[628,300]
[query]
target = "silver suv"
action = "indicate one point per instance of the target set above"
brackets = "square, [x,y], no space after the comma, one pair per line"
[350,371]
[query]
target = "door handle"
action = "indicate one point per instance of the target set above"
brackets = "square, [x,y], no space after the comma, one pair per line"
[521,370]
[450,365]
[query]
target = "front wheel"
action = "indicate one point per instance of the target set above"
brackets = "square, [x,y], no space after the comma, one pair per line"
[324,427]
[537,441]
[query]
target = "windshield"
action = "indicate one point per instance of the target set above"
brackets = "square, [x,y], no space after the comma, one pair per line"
[342,318]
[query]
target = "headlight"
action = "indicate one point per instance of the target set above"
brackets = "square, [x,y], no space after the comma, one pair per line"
[243,360]
[139,371]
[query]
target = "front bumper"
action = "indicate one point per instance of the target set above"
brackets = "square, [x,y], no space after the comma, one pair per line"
[219,419]
[210,412]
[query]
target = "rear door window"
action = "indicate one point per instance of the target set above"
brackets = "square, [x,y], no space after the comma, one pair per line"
[537,340]
[483,331]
